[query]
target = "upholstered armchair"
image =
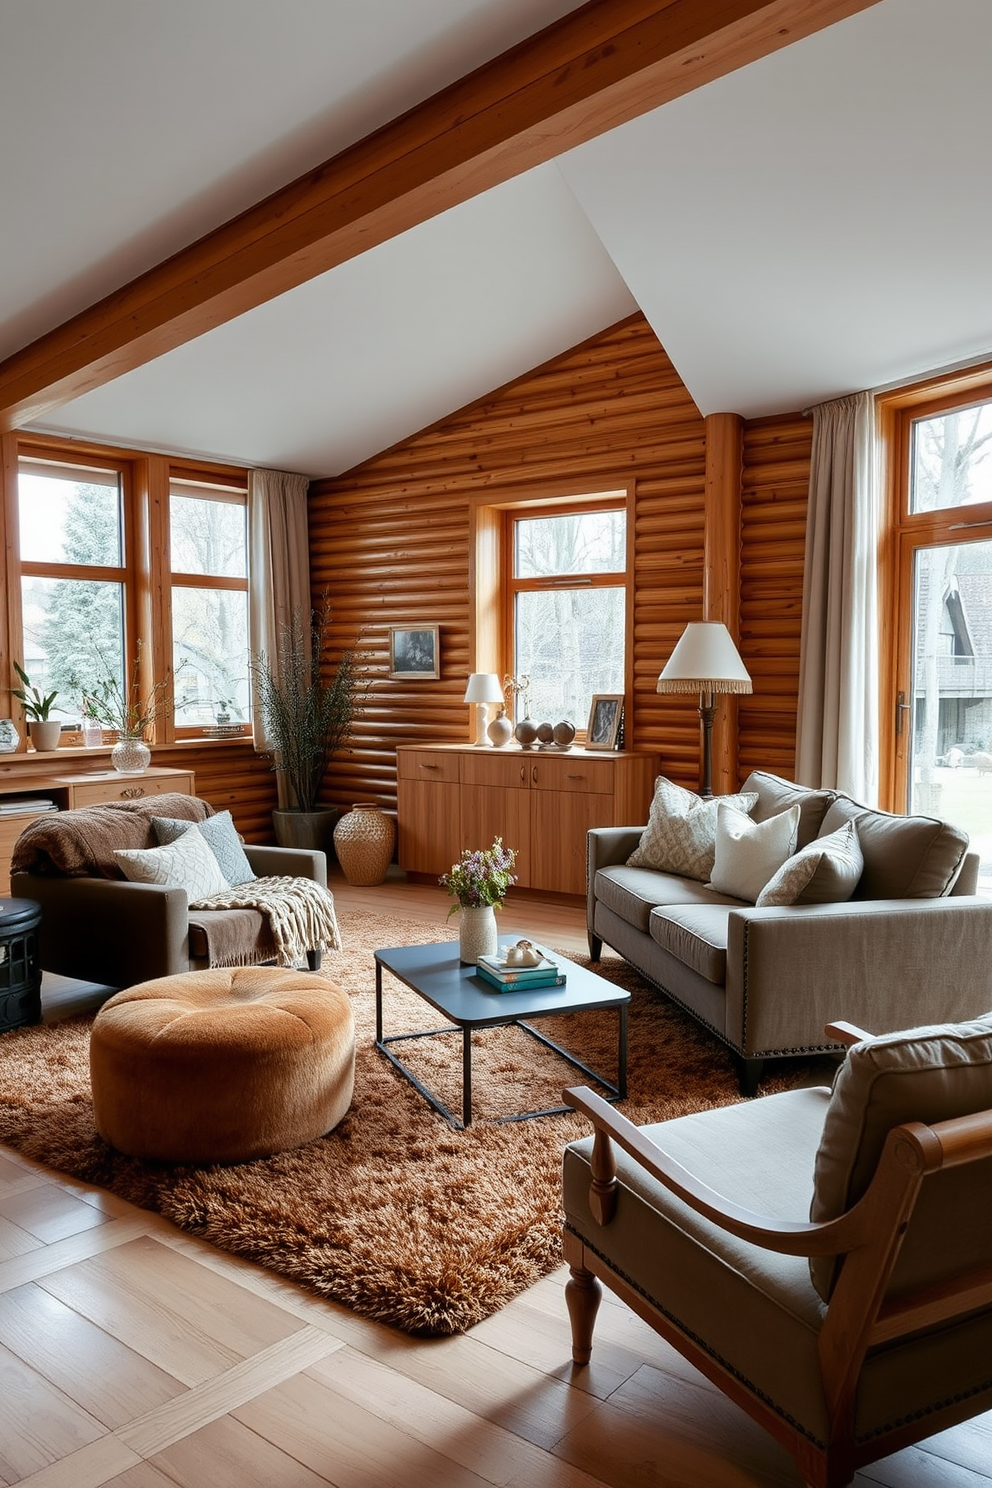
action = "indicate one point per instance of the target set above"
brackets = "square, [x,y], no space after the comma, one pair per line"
[99,927]
[824,1257]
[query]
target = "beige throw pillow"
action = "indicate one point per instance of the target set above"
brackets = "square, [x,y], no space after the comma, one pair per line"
[749,853]
[826,871]
[925,1074]
[187,863]
[680,836]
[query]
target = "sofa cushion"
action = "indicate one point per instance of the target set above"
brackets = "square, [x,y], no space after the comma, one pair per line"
[826,871]
[906,857]
[775,795]
[186,864]
[680,836]
[696,934]
[632,893]
[749,853]
[924,1074]
[220,835]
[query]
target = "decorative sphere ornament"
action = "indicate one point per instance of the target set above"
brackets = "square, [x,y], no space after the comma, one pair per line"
[564,733]
[526,733]
[545,733]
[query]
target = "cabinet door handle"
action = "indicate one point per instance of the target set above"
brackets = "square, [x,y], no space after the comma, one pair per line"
[523,772]
[533,773]
[430,767]
[575,777]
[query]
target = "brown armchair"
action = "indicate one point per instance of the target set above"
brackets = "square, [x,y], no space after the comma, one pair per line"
[97,926]
[848,1334]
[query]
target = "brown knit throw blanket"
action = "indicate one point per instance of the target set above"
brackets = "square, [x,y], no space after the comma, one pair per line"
[300,914]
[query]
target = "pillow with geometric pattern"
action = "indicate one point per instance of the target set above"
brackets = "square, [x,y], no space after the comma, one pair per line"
[220,835]
[680,836]
[186,864]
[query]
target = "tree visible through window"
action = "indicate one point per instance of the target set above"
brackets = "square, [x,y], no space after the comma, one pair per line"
[568,607]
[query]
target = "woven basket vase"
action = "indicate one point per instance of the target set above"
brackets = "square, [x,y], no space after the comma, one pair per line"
[363,840]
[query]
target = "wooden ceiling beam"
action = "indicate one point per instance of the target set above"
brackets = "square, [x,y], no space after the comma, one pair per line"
[594,69]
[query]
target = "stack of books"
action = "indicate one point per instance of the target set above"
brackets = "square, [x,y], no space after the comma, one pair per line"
[495,973]
[22,805]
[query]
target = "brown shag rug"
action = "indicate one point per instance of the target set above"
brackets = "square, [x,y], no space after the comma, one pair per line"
[393,1214]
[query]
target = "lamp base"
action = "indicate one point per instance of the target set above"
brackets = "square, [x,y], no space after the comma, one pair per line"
[482,739]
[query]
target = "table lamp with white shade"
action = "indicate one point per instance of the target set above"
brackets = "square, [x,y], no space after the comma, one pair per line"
[705,660]
[483,688]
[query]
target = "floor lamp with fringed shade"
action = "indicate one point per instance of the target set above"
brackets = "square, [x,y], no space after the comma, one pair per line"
[705,660]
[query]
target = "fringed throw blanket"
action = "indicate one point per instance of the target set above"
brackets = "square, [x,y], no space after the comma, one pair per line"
[300,914]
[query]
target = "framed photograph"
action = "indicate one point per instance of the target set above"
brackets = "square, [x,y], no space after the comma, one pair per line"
[413,651]
[604,720]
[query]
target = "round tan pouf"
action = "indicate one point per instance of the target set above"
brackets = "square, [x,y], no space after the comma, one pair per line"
[222,1066]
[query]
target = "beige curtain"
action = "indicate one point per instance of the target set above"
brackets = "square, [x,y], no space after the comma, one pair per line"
[837,738]
[279,567]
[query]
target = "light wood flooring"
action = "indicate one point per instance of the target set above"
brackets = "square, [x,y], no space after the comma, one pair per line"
[133,1354]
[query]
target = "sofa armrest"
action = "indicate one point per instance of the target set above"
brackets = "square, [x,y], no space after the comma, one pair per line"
[882,964]
[110,932]
[288,862]
[605,847]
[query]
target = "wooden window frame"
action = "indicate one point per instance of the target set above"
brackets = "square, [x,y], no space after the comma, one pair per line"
[903,533]
[146,481]
[510,586]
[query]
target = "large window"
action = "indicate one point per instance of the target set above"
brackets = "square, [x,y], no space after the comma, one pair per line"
[125,571]
[566,586]
[73,579]
[210,650]
[941,649]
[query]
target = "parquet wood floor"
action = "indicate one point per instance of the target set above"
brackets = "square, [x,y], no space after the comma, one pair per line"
[133,1354]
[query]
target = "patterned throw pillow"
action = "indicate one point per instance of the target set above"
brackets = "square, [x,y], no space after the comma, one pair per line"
[680,836]
[826,871]
[186,864]
[220,835]
[749,853]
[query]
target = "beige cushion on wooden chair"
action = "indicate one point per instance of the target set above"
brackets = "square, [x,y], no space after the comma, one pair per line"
[920,1074]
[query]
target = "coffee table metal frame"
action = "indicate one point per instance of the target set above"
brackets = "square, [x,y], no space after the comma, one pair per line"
[435,973]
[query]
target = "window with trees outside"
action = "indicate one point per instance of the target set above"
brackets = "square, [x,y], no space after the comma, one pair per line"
[566,585]
[102,587]
[942,662]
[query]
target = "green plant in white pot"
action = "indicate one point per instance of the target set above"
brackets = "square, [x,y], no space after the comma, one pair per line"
[307,711]
[45,731]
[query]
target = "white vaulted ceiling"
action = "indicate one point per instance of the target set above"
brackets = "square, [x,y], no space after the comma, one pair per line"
[814,223]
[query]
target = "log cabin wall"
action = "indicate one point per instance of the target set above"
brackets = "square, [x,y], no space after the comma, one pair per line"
[774,493]
[392,541]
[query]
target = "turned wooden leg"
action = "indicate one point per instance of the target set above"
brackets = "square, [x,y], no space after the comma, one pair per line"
[582,1297]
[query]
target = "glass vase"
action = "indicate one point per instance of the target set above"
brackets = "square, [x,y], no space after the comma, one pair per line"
[130,755]
[477,933]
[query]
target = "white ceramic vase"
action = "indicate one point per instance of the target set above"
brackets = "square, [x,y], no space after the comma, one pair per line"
[477,933]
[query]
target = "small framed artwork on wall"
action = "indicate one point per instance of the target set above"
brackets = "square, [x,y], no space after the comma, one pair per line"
[604,720]
[413,651]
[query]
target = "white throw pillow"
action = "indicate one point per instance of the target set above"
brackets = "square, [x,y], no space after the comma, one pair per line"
[680,836]
[186,864]
[825,871]
[749,853]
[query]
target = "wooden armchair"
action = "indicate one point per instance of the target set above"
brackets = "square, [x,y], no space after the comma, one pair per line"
[849,1334]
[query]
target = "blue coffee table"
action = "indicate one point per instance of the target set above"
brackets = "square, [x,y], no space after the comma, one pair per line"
[435,973]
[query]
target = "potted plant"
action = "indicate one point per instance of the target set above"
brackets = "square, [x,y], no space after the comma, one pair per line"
[129,714]
[307,713]
[44,731]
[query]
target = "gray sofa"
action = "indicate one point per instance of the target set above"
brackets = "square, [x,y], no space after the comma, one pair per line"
[913,945]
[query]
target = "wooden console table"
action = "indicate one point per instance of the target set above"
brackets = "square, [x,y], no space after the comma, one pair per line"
[67,791]
[541,802]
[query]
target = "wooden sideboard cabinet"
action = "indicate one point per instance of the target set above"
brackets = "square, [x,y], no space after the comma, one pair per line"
[541,802]
[79,790]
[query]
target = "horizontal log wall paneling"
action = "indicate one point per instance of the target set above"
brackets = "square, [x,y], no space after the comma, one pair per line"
[390,540]
[773,531]
[232,777]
